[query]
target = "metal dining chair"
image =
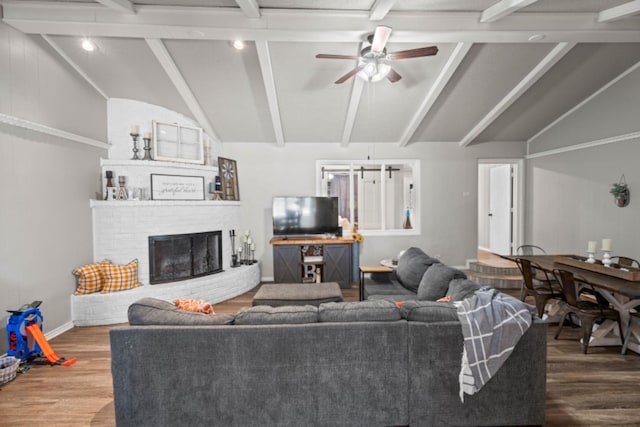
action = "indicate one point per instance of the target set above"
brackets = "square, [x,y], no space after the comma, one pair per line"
[587,311]
[624,261]
[541,290]
[529,250]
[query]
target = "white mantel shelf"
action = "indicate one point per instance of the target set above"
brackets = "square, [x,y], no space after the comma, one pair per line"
[157,163]
[157,203]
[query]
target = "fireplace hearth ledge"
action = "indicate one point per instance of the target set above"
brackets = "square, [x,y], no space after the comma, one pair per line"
[111,308]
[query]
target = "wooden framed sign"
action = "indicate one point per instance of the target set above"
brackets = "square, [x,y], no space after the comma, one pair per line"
[177,187]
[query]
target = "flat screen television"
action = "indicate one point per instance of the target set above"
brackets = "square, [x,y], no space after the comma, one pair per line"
[304,216]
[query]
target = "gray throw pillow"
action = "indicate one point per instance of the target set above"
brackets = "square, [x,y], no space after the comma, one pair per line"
[411,267]
[460,289]
[429,311]
[283,315]
[363,311]
[153,311]
[435,281]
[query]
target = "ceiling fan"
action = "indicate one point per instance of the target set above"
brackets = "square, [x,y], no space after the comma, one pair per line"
[373,61]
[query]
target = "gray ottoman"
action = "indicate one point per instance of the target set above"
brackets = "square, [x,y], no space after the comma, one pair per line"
[297,294]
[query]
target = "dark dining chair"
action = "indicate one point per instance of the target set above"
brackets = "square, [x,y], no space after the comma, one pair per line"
[541,290]
[624,261]
[530,250]
[586,311]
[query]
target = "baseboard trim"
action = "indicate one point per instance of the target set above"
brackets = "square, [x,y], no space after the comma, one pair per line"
[58,331]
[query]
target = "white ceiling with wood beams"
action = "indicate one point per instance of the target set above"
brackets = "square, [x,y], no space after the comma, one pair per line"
[505,70]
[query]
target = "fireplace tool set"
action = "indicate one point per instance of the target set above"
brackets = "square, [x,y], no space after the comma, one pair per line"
[245,253]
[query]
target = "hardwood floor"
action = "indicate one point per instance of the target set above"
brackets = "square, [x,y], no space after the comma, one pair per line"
[601,388]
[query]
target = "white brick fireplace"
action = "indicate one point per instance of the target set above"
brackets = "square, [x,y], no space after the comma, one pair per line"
[121,229]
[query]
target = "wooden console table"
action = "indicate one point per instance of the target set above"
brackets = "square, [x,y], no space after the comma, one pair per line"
[333,259]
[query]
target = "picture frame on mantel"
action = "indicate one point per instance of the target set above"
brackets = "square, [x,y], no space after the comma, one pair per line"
[177,187]
[173,142]
[228,171]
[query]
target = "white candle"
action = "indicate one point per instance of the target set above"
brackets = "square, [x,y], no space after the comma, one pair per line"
[134,129]
[240,249]
[147,135]
[607,244]
[249,240]
[592,247]
[253,246]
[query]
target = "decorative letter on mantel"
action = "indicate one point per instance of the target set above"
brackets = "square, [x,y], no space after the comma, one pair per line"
[177,187]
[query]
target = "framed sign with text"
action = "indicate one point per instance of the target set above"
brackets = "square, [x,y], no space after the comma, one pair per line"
[177,187]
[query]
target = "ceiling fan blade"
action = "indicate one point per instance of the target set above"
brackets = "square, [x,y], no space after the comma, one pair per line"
[380,38]
[349,75]
[393,76]
[413,53]
[332,56]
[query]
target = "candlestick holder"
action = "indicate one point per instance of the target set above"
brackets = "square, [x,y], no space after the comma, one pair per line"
[147,149]
[135,136]
[591,259]
[606,258]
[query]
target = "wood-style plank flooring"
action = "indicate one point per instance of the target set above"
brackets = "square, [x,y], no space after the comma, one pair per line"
[601,388]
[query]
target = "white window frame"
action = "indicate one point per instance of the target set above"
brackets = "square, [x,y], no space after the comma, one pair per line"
[354,167]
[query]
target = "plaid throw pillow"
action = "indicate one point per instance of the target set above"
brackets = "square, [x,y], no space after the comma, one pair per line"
[119,277]
[89,279]
[197,305]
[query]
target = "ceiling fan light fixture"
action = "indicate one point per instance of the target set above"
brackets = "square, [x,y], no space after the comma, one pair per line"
[374,70]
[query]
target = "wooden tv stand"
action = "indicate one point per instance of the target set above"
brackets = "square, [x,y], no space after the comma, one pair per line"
[299,260]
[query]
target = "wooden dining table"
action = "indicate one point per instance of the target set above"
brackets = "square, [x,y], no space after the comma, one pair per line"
[621,293]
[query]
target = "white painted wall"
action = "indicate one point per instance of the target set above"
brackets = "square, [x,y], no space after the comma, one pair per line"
[45,222]
[568,193]
[449,186]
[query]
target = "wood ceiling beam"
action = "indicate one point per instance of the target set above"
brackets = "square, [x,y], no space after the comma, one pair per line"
[264,58]
[380,9]
[502,9]
[156,22]
[557,53]
[164,58]
[352,109]
[250,8]
[435,90]
[74,65]
[619,12]
[122,6]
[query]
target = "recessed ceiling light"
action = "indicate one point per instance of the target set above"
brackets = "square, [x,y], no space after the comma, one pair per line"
[536,37]
[88,45]
[238,44]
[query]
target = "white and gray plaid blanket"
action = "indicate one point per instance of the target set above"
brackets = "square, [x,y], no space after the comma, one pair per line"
[492,324]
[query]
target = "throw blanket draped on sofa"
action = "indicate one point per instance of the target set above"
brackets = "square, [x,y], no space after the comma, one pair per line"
[492,324]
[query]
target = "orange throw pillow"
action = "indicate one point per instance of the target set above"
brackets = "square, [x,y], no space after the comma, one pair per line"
[119,277]
[197,305]
[89,279]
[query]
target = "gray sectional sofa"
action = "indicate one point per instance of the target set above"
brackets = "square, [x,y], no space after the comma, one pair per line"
[366,363]
[418,277]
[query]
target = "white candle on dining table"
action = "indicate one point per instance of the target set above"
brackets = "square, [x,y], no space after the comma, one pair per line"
[592,247]
[607,244]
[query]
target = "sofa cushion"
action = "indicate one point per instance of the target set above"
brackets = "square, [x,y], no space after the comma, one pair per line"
[153,311]
[393,298]
[363,311]
[392,288]
[428,311]
[287,314]
[435,281]
[460,289]
[411,267]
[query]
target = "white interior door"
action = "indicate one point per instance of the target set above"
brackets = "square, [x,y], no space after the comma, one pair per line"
[500,209]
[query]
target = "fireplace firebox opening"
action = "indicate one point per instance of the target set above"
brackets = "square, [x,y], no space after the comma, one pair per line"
[184,256]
